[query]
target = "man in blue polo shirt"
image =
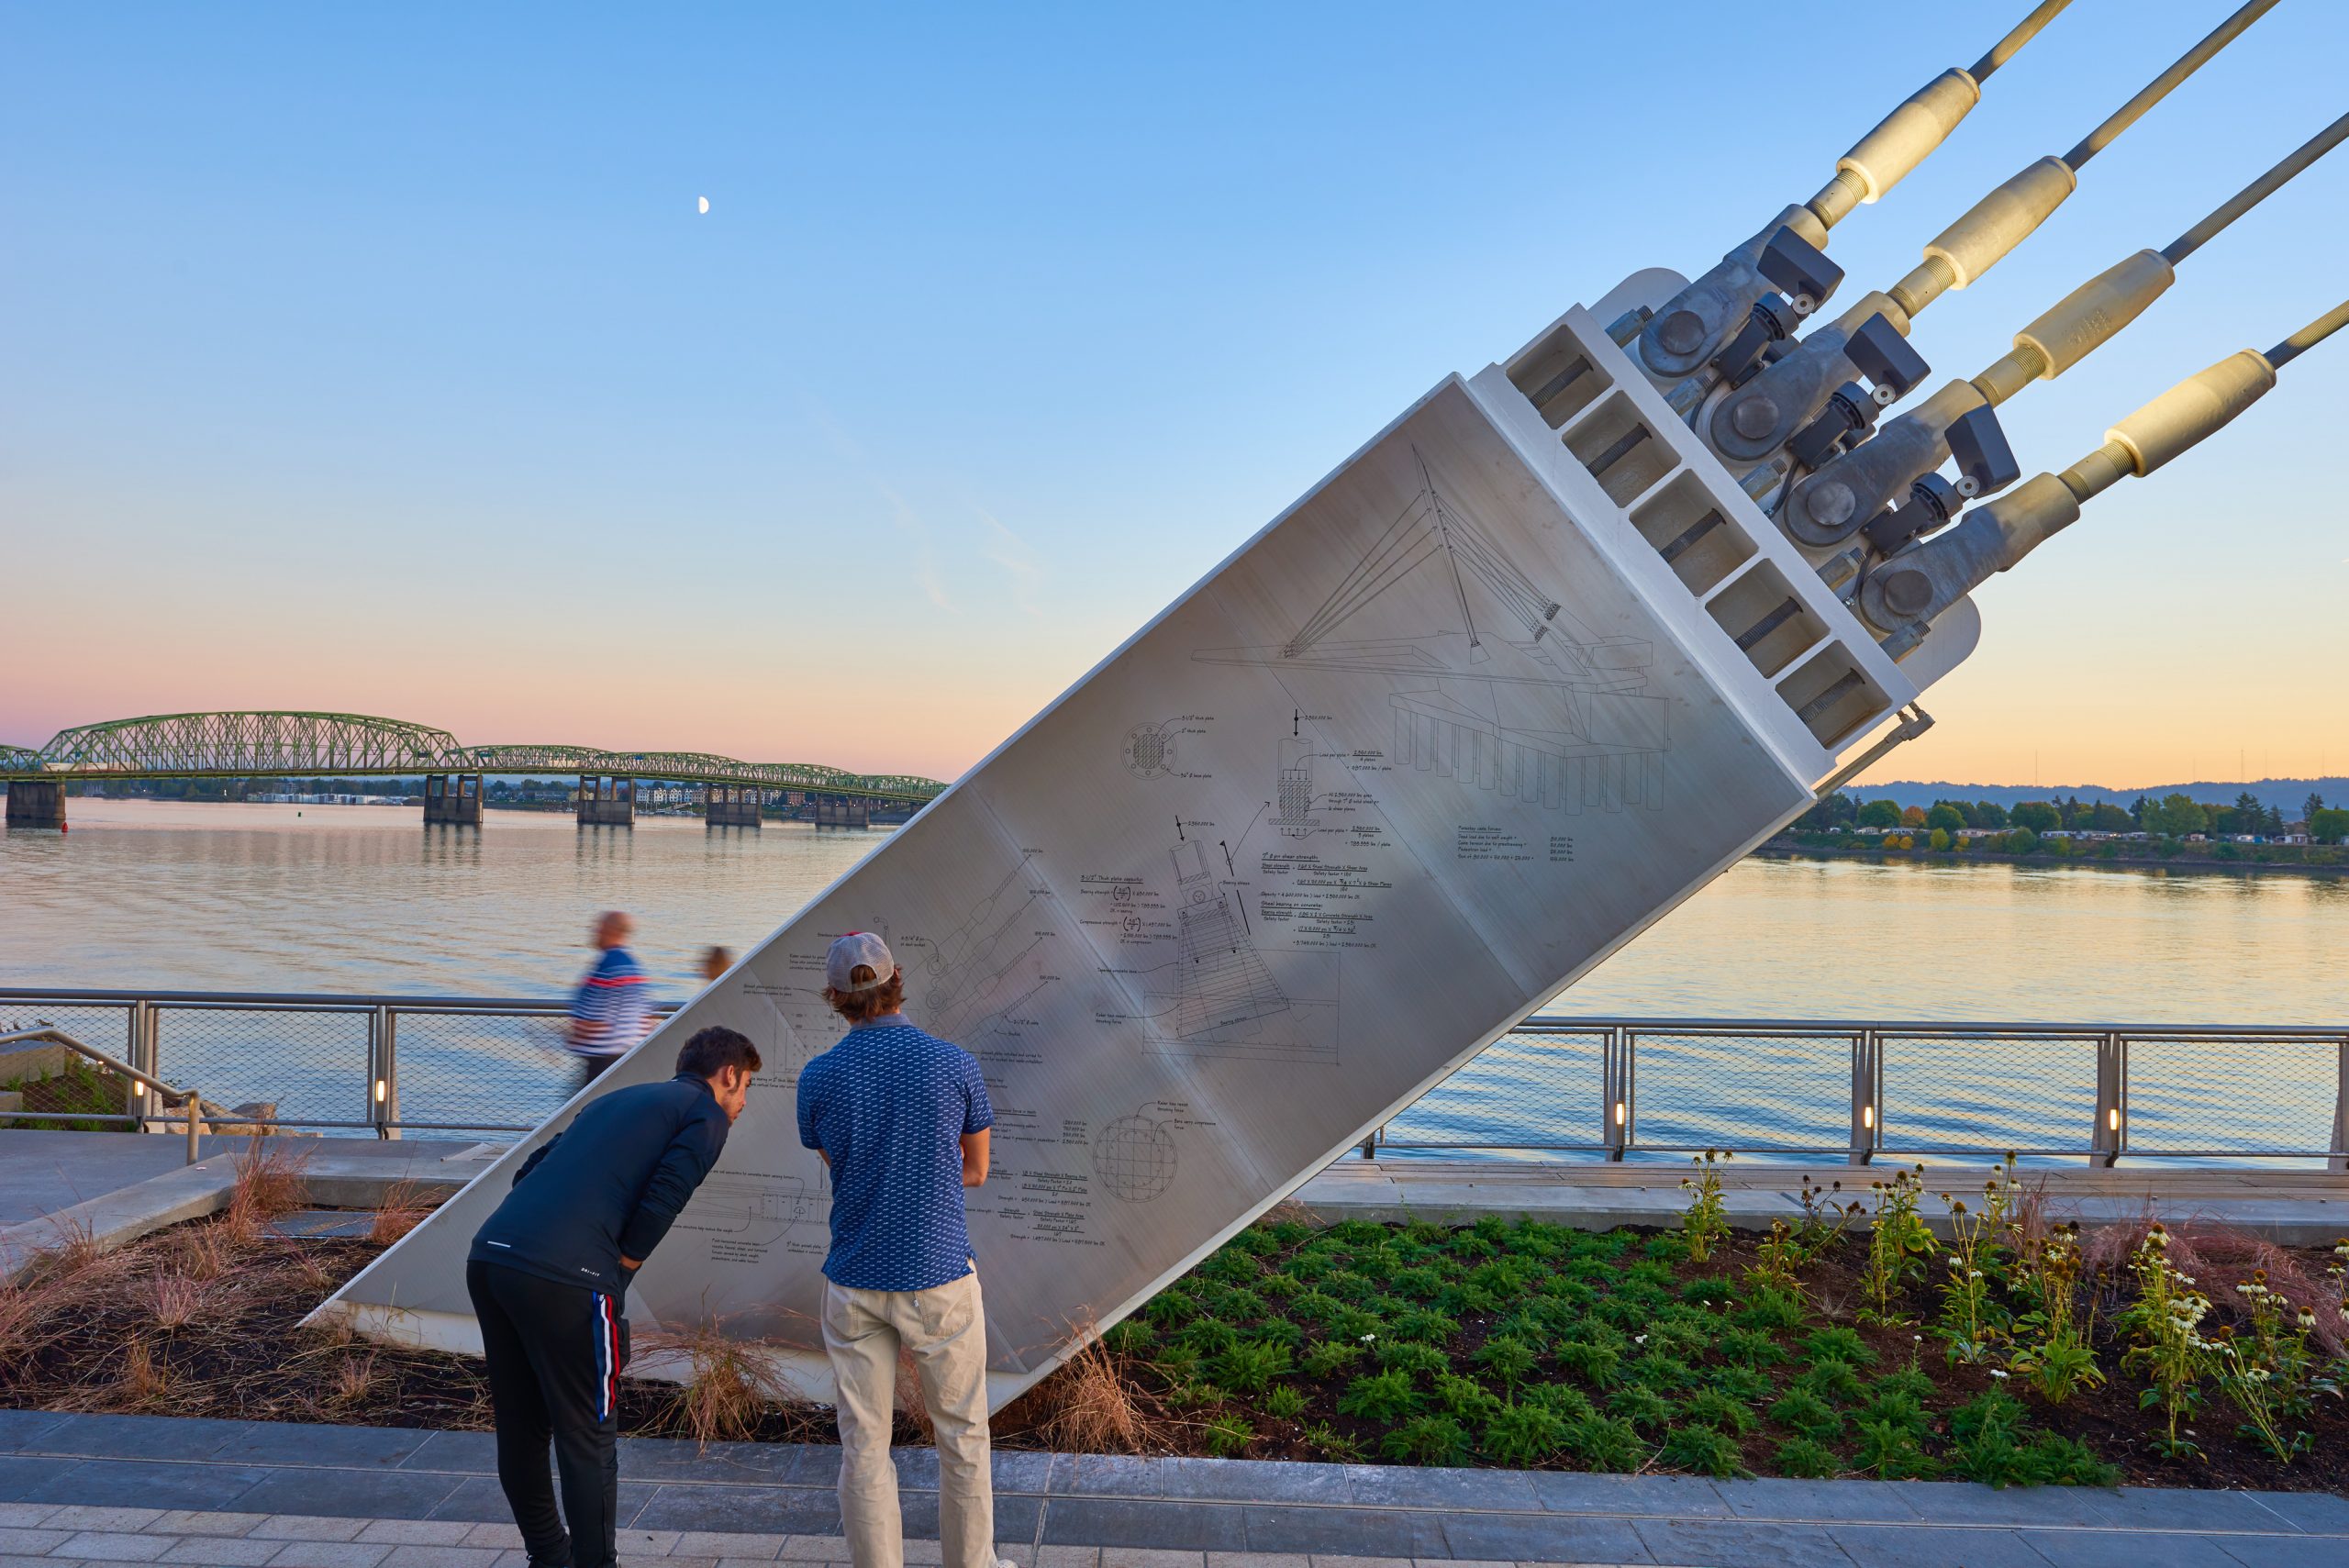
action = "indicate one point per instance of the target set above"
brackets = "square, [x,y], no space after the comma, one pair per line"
[901,1118]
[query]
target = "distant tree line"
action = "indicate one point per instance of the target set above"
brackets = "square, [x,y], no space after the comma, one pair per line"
[2171,816]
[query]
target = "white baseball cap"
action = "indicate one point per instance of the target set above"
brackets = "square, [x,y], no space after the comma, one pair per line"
[847,953]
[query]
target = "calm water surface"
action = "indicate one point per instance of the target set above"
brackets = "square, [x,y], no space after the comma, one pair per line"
[354,898]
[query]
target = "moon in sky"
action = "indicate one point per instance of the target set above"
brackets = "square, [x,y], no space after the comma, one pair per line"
[703,203]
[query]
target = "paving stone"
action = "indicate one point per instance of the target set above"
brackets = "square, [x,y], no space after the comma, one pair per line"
[1051,1556]
[440,1557]
[666,1459]
[194,1521]
[815,1549]
[1255,1481]
[1548,1538]
[13,1560]
[111,1546]
[1107,1475]
[1125,1521]
[1720,1543]
[351,1494]
[84,1516]
[1328,1561]
[1965,1503]
[29,1542]
[287,1443]
[781,1511]
[2318,1513]
[1397,1533]
[1461,1562]
[1402,1486]
[1649,1497]
[1258,1559]
[20,1428]
[156,1481]
[2283,1551]
[501,1536]
[307,1526]
[21,1474]
[330,1554]
[1816,1500]
[140,1436]
[1896,1546]
[1018,1471]
[25,1515]
[219,1551]
[2148,1507]
[426,1532]
[473,1453]
[729,1544]
[1150,1557]
[633,1544]
[2131,1549]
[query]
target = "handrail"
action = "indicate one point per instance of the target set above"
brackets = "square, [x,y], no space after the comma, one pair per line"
[189,1098]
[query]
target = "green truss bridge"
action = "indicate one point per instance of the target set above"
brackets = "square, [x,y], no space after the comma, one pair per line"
[254,745]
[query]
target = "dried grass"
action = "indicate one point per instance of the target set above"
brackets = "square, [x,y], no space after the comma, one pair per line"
[144,1382]
[2220,1257]
[269,1186]
[201,1251]
[354,1380]
[404,1209]
[174,1300]
[1088,1405]
[731,1389]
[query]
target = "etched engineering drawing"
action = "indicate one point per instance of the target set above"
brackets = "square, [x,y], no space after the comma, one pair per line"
[1496,684]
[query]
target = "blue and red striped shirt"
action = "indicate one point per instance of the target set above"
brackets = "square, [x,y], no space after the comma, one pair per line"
[612,1009]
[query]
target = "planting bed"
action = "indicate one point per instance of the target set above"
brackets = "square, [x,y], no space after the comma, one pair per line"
[1523,1345]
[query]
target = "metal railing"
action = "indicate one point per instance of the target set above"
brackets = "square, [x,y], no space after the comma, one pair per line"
[1614,1087]
[1624,1087]
[191,1102]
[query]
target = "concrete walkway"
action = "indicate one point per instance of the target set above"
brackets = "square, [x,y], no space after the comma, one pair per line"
[133,1488]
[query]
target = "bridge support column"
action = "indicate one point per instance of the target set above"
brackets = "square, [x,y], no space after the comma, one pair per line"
[37,802]
[842,813]
[454,799]
[606,801]
[730,805]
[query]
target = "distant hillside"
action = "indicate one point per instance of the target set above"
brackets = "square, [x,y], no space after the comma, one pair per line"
[2285,795]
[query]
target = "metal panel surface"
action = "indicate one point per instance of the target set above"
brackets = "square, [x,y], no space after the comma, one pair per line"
[1405,765]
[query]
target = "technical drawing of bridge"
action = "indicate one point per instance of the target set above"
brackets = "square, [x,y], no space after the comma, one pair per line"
[257,745]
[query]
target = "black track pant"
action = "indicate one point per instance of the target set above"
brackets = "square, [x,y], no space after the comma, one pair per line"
[554,1358]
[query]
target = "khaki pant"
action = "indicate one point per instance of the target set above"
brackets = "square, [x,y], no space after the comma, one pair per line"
[946,1332]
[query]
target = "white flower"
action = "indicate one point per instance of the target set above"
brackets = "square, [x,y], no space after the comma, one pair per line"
[1368,1338]
[1996,1372]
[1639,1339]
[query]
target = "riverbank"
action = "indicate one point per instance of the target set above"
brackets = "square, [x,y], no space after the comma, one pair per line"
[2045,860]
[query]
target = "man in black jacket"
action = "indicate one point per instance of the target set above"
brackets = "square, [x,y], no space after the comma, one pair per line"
[550,1270]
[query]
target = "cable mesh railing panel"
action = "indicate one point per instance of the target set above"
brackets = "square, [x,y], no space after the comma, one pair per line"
[1528,1090]
[302,1066]
[1945,1093]
[1755,1089]
[2216,1095]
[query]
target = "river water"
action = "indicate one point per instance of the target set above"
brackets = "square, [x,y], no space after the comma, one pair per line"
[160,896]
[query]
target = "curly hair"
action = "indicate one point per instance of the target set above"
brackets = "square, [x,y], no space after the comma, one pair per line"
[877,1002]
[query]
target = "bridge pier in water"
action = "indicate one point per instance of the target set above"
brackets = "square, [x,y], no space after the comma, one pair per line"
[37,802]
[454,799]
[826,812]
[730,805]
[606,800]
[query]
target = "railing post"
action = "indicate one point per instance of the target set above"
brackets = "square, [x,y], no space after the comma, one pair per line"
[2338,1159]
[1868,1081]
[1615,1108]
[1370,1143]
[383,1072]
[2111,1134]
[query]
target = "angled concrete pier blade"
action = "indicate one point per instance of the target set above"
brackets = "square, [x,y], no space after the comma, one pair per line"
[1431,745]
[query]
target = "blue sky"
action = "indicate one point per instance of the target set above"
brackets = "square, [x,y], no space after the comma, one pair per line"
[377,358]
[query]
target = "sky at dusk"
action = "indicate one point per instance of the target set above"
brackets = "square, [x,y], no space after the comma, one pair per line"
[378,359]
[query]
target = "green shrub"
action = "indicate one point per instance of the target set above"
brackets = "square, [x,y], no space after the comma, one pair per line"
[1640,1405]
[1312,1266]
[1170,1307]
[1539,1239]
[1704,1452]
[1710,1407]
[1663,1371]
[1426,1439]
[1409,1356]
[1315,1306]
[1807,1460]
[1768,1308]
[1840,1343]
[1249,1368]
[1742,1384]
[1176,1361]
[1890,1452]
[1508,1358]
[1275,1331]
[1993,1410]
[1907,1380]
[1465,1398]
[1280,1285]
[1601,1366]
[1289,1232]
[1242,1306]
[1805,1412]
[1129,1338]
[1671,1336]
[1228,1435]
[1330,1358]
[1654,1273]
[1257,1241]
[1331,1443]
[1461,1297]
[1559,1309]
[1350,1233]
[1831,1380]
[1232,1266]
[1189,1396]
[1469,1244]
[1284,1402]
[1383,1397]
[1417,1283]
[1348,1287]
[1750,1347]
[1895,1407]
[1606,1442]
[1210,1336]
[1423,1323]
[1709,1290]
[2066,1461]
[1561,1400]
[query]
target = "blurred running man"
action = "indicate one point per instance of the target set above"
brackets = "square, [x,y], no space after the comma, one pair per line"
[612,1009]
